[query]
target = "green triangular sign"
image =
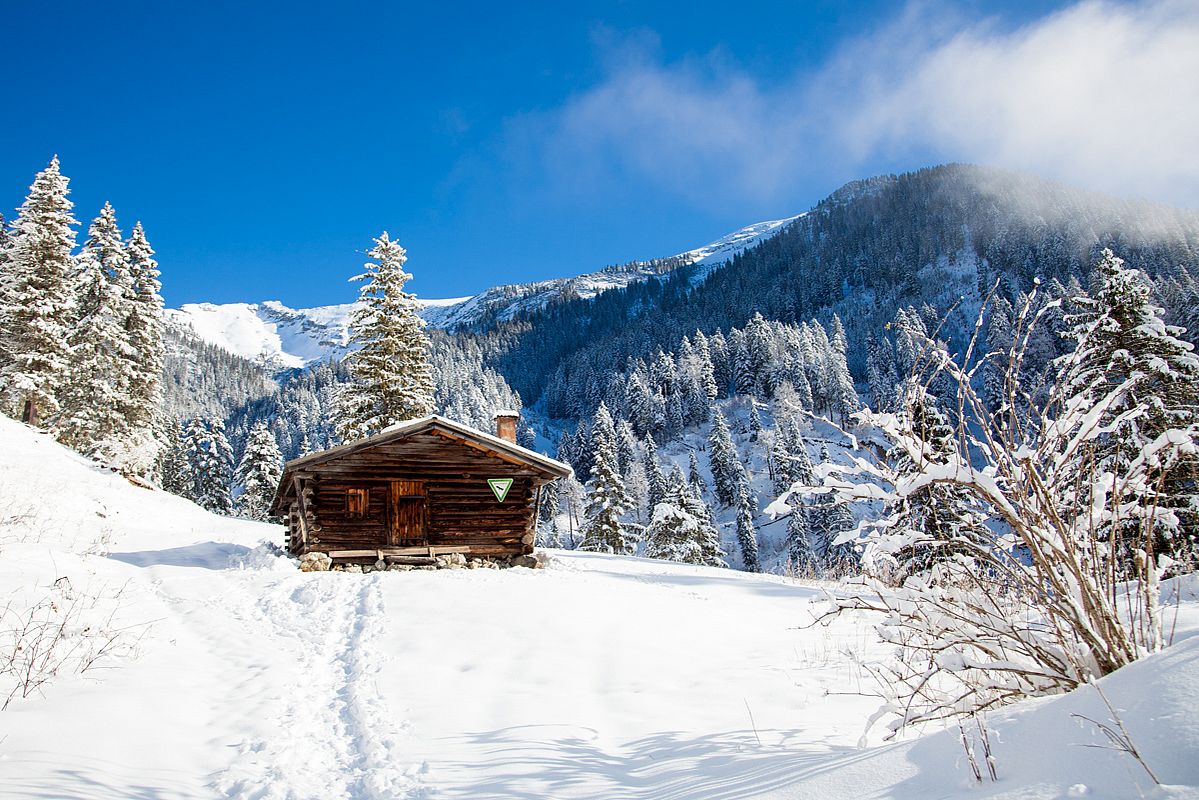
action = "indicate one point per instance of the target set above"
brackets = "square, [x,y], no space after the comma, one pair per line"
[500,487]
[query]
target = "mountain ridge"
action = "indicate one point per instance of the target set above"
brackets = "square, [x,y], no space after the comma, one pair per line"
[279,337]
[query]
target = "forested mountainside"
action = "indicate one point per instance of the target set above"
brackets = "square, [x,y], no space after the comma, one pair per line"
[200,379]
[934,240]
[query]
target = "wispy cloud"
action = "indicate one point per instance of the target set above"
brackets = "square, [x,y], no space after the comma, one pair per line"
[1101,94]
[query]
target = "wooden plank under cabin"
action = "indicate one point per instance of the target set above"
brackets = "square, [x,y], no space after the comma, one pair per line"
[383,552]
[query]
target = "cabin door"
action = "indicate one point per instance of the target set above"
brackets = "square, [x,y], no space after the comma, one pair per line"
[406,520]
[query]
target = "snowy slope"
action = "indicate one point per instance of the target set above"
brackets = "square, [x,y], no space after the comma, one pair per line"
[598,677]
[282,337]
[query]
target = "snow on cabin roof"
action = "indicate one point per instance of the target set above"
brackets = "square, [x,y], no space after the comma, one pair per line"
[408,427]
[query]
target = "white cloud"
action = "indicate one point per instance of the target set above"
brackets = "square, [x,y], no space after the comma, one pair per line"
[1100,94]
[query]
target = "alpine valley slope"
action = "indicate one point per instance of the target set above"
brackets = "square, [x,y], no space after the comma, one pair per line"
[274,335]
[597,677]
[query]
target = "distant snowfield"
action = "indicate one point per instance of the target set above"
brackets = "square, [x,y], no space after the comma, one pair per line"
[598,677]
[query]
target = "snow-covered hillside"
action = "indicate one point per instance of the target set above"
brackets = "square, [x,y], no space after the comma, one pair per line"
[239,676]
[282,337]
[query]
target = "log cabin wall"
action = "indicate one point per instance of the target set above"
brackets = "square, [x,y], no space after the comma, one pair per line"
[425,489]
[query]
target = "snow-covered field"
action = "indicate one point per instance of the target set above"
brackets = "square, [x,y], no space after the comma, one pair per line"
[598,677]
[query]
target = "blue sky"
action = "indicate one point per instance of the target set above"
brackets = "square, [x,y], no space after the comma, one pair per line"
[264,147]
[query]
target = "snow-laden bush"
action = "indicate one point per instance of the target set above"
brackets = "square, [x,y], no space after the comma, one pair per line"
[1018,552]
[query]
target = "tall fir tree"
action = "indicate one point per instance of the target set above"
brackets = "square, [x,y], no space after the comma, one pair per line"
[211,461]
[549,505]
[173,468]
[654,477]
[392,377]
[800,554]
[999,349]
[1124,349]
[38,305]
[258,473]
[145,332]
[723,461]
[94,401]
[694,476]
[606,498]
[681,527]
[6,284]
[747,534]
[755,422]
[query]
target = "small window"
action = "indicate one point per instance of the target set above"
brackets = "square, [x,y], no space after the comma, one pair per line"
[357,502]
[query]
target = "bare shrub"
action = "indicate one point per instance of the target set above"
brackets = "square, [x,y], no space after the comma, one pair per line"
[66,631]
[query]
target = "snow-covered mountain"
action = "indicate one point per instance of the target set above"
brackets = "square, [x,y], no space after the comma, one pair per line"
[282,337]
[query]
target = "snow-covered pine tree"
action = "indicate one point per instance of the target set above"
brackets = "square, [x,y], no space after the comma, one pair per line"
[1125,350]
[800,554]
[211,460]
[722,368]
[755,422]
[626,446]
[6,284]
[938,519]
[747,535]
[801,462]
[145,333]
[258,473]
[392,378]
[36,317]
[880,372]
[549,504]
[780,464]
[606,498]
[999,348]
[706,373]
[672,535]
[94,400]
[173,464]
[723,460]
[681,528]
[842,397]
[655,480]
[638,404]
[694,476]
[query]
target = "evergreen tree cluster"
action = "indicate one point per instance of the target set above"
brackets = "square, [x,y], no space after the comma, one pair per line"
[801,365]
[81,331]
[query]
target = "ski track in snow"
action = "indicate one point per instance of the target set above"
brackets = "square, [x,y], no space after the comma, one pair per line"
[328,734]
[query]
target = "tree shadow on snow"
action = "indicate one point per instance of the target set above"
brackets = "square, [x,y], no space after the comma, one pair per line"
[95,782]
[567,761]
[204,555]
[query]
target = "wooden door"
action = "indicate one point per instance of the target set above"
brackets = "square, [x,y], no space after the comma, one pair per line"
[406,520]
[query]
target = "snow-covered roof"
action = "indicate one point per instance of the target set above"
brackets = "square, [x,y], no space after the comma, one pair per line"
[401,430]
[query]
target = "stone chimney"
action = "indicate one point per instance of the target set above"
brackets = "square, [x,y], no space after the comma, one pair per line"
[505,425]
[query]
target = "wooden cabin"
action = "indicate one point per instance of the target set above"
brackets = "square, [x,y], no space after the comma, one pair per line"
[428,486]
